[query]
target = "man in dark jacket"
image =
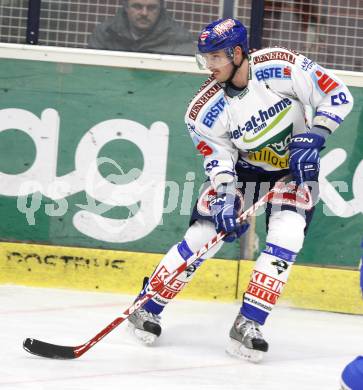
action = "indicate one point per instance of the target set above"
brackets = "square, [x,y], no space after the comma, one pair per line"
[143,26]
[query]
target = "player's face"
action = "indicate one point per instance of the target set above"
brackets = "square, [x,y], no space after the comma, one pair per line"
[143,14]
[219,64]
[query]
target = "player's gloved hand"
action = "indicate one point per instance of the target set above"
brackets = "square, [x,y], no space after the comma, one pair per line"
[224,212]
[304,160]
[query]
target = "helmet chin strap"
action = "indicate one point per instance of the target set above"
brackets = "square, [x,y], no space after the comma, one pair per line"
[228,86]
[234,71]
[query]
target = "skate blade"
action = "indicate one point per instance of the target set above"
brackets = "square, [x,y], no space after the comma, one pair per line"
[239,351]
[145,337]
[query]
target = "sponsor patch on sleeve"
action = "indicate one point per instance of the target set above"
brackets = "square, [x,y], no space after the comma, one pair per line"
[275,55]
[204,149]
[324,83]
[213,112]
[273,72]
[307,64]
[199,104]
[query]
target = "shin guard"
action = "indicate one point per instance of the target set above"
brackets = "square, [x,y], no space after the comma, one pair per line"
[268,279]
[284,240]
[178,254]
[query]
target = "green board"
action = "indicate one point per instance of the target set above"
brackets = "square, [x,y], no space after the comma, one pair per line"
[56,119]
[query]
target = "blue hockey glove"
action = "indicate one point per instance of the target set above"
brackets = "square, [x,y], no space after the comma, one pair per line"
[223,210]
[304,160]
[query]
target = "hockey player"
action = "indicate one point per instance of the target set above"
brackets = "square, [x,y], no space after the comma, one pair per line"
[248,121]
[352,375]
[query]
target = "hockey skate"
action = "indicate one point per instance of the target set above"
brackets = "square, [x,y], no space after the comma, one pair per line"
[246,340]
[145,326]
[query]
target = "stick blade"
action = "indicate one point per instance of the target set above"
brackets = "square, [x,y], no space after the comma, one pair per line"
[51,351]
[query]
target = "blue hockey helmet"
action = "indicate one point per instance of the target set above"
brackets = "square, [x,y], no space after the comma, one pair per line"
[223,34]
[352,376]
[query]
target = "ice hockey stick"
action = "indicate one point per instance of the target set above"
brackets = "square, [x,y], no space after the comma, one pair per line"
[54,351]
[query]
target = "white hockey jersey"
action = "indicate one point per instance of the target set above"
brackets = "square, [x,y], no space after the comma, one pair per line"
[256,125]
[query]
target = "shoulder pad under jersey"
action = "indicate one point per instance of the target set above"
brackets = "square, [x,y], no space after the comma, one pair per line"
[210,97]
[272,54]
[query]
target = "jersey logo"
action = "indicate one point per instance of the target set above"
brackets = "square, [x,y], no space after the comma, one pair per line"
[274,123]
[205,85]
[324,82]
[258,122]
[307,64]
[213,112]
[243,93]
[273,72]
[268,156]
[273,152]
[199,104]
[275,55]
[204,149]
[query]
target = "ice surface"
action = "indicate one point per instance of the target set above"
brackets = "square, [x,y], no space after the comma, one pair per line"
[308,349]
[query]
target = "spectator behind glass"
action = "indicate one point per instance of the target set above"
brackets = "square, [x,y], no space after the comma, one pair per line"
[143,26]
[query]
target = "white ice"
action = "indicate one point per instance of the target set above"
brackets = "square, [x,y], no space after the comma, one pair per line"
[308,349]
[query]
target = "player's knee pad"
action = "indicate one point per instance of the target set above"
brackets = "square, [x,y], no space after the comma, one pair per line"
[196,236]
[186,252]
[286,230]
[199,234]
